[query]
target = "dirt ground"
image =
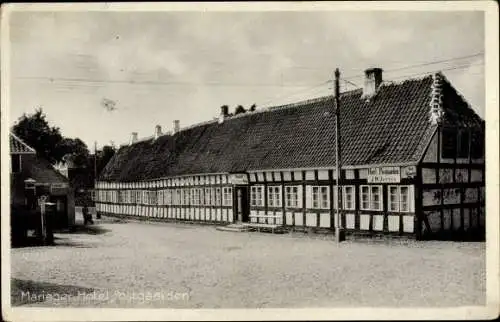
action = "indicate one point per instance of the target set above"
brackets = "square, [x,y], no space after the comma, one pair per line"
[143,264]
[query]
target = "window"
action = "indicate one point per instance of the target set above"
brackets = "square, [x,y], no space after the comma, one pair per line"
[449,143]
[348,197]
[227,199]
[159,197]
[153,197]
[393,198]
[178,197]
[257,196]
[274,196]
[371,198]
[186,196]
[320,197]
[208,196]
[292,197]
[405,199]
[376,197]
[217,197]
[15,162]
[212,196]
[399,198]
[477,145]
[463,143]
[195,196]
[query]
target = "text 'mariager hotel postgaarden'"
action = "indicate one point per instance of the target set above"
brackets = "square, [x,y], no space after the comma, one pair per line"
[412,164]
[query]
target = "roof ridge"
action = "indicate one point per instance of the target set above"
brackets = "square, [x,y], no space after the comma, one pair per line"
[280,107]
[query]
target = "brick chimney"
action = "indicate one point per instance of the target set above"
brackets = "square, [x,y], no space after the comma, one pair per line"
[134,138]
[177,126]
[224,112]
[158,131]
[373,79]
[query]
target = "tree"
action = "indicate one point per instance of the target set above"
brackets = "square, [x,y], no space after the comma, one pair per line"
[104,156]
[76,151]
[35,130]
[239,110]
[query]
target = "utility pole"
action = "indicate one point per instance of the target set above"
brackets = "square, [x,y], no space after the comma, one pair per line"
[98,215]
[338,176]
[95,162]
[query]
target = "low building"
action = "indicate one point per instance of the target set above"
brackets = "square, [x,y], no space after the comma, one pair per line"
[31,177]
[412,165]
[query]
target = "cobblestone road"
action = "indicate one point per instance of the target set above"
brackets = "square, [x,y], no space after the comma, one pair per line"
[145,264]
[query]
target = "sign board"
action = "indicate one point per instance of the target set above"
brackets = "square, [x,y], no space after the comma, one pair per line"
[384,175]
[238,178]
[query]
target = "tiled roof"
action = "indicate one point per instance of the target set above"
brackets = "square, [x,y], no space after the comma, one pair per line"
[18,146]
[41,170]
[388,129]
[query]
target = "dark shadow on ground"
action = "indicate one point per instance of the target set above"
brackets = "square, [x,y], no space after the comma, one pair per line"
[91,229]
[24,292]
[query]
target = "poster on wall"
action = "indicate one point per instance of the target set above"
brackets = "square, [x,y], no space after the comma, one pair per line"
[384,175]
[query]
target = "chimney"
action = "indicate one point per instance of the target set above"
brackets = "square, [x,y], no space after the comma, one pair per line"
[176,126]
[224,111]
[134,138]
[373,79]
[158,131]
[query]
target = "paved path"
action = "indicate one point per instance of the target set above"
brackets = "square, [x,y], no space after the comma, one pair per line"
[145,264]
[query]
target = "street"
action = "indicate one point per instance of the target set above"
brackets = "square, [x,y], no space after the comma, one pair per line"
[118,263]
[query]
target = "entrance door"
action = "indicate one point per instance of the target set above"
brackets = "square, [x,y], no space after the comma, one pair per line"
[242,206]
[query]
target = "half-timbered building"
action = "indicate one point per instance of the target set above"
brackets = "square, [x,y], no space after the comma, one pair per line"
[412,164]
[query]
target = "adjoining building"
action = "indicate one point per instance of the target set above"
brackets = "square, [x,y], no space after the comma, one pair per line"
[412,165]
[30,178]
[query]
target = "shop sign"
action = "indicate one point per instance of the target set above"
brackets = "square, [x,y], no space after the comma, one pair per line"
[384,175]
[238,178]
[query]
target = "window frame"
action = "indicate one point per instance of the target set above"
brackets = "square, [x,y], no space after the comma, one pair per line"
[227,196]
[208,196]
[292,198]
[274,196]
[400,195]
[353,197]
[370,197]
[321,203]
[218,196]
[257,196]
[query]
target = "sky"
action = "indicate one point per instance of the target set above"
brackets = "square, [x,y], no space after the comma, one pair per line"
[162,66]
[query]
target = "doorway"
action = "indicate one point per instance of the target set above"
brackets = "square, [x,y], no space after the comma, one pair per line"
[241,204]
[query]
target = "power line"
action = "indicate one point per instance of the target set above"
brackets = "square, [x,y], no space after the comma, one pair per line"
[116,81]
[349,82]
[437,70]
[317,86]
[421,65]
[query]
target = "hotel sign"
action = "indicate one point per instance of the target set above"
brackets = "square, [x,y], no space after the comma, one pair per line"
[384,175]
[238,178]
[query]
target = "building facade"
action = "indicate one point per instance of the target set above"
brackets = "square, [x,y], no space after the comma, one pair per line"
[31,177]
[412,165]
